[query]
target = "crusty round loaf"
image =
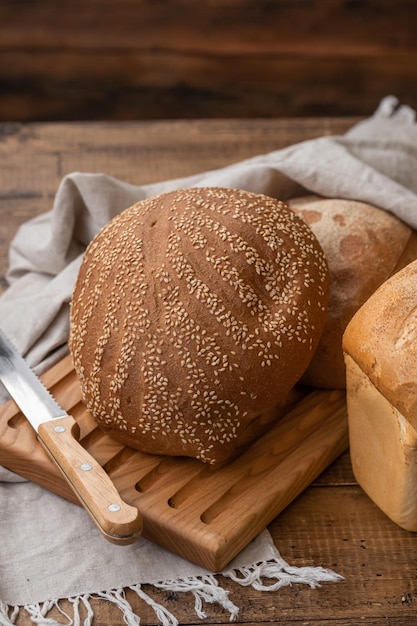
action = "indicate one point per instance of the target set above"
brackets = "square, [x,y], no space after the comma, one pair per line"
[363,245]
[194,312]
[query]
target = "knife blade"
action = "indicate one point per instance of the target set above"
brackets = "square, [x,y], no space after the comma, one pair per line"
[58,432]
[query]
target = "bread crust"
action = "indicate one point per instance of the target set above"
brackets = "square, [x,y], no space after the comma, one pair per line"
[382,339]
[194,312]
[364,245]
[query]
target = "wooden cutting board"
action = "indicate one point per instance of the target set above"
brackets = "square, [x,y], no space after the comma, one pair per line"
[203,514]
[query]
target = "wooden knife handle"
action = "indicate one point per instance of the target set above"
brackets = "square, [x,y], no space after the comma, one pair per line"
[119,522]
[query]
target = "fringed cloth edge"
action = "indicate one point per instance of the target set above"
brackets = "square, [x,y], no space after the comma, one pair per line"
[269,576]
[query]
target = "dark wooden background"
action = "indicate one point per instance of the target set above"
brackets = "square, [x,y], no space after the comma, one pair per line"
[158,59]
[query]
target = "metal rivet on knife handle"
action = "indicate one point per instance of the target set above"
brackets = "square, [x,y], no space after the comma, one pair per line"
[117,520]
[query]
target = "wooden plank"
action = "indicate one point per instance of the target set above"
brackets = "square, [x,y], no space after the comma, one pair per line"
[144,60]
[127,85]
[140,152]
[315,27]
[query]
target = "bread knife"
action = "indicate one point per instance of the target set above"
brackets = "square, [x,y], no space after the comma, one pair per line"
[58,432]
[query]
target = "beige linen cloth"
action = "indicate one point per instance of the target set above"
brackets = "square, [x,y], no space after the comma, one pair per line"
[49,549]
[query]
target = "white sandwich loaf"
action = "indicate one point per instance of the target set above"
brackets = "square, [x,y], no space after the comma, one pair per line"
[380,349]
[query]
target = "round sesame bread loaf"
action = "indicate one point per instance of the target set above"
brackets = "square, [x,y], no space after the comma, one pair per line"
[194,312]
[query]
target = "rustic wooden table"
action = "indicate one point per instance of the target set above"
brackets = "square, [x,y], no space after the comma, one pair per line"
[332,523]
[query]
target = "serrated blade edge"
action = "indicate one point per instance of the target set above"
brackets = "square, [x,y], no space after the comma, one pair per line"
[24,386]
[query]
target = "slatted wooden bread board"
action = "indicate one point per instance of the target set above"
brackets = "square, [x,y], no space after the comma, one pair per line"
[203,514]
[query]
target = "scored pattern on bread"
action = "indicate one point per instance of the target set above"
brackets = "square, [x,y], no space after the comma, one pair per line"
[193,312]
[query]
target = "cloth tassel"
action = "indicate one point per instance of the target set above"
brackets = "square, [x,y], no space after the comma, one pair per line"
[164,616]
[39,613]
[277,569]
[118,598]
[83,600]
[204,588]
[8,614]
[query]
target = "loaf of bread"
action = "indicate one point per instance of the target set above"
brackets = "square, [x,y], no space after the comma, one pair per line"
[194,312]
[364,245]
[380,347]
